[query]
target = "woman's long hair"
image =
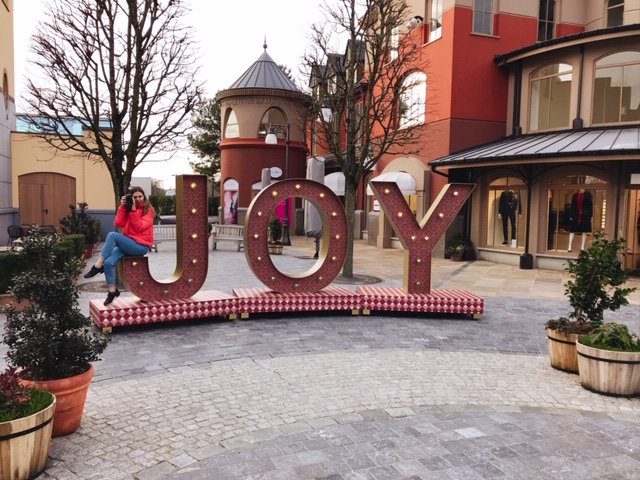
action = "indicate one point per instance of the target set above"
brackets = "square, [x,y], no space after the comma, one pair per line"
[147,205]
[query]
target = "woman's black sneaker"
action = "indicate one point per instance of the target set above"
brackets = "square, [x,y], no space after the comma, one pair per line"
[111,296]
[94,271]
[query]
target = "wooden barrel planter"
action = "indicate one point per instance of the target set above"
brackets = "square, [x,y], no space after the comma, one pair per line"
[562,351]
[609,372]
[24,444]
[275,249]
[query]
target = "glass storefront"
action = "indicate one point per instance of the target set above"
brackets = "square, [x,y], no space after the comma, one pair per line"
[507,213]
[577,206]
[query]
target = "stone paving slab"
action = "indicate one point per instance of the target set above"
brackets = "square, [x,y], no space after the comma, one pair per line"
[331,396]
[157,421]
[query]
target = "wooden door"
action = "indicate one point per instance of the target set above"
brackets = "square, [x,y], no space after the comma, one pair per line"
[44,198]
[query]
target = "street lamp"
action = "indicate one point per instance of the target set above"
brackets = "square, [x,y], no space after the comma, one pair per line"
[272,139]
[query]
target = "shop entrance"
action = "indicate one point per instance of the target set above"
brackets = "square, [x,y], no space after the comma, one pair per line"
[632,259]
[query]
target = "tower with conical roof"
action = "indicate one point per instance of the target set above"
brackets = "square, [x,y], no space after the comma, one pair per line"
[262,96]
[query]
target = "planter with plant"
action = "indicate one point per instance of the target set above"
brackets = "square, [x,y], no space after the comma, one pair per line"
[25,427]
[596,287]
[14,263]
[51,340]
[609,360]
[80,222]
[275,235]
[457,247]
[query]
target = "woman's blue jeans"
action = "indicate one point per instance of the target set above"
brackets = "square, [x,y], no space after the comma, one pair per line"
[115,247]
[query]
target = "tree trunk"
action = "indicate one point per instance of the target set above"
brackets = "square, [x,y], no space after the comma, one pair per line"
[350,208]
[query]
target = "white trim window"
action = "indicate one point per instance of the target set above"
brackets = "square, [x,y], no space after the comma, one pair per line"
[394,42]
[483,17]
[550,97]
[616,91]
[615,13]
[413,100]
[435,27]
[546,20]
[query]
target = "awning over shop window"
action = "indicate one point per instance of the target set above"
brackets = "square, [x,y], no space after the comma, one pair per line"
[335,182]
[404,180]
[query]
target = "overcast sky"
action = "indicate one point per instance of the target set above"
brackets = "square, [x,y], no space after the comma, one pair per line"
[230,35]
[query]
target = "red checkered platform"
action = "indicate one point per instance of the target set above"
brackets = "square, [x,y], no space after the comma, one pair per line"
[438,301]
[264,300]
[244,301]
[132,311]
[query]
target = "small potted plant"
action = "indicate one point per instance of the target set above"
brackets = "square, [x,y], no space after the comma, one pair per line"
[456,247]
[51,340]
[25,427]
[80,222]
[596,287]
[275,236]
[609,360]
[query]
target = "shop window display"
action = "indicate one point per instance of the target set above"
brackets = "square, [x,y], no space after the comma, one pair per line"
[506,222]
[577,208]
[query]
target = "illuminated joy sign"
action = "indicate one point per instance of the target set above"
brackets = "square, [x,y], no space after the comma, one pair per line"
[419,239]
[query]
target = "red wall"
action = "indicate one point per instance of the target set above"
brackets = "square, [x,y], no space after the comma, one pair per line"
[244,159]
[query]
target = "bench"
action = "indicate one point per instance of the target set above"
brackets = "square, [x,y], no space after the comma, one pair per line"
[228,233]
[162,233]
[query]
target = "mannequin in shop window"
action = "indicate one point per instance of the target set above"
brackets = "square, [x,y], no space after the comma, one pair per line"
[509,205]
[581,214]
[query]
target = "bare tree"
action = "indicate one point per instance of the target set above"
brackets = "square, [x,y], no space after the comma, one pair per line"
[124,69]
[367,90]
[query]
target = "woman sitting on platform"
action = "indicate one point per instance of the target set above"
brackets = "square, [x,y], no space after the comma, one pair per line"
[135,216]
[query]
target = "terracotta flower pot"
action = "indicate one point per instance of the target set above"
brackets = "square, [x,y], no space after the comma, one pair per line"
[71,394]
[24,444]
[10,299]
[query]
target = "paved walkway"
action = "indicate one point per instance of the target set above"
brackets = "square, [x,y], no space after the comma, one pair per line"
[341,397]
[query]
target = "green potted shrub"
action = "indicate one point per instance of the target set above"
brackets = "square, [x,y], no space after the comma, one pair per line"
[456,247]
[80,222]
[609,360]
[50,339]
[25,427]
[275,236]
[13,263]
[596,287]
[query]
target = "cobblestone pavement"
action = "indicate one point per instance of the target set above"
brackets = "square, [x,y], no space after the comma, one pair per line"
[341,397]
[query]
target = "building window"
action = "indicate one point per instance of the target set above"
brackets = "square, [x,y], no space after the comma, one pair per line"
[550,97]
[616,92]
[273,115]
[231,129]
[394,41]
[413,100]
[546,21]
[506,212]
[615,13]
[577,206]
[435,26]
[5,92]
[483,16]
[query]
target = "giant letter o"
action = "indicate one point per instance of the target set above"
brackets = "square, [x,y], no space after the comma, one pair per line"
[334,236]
